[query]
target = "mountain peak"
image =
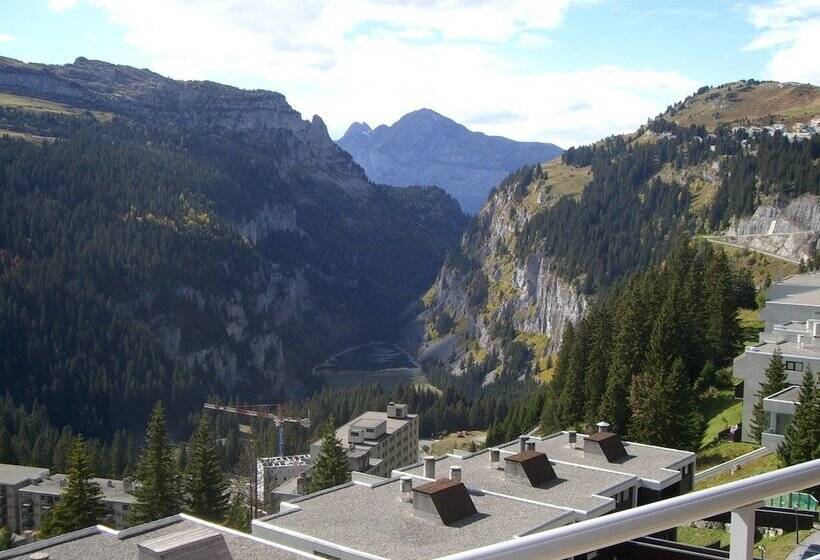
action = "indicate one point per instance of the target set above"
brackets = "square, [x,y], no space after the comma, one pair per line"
[424,147]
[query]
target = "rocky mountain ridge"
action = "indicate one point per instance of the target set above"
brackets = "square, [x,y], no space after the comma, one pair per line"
[426,148]
[235,241]
[550,237]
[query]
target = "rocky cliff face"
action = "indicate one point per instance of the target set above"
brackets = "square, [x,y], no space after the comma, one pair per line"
[789,230]
[425,148]
[486,287]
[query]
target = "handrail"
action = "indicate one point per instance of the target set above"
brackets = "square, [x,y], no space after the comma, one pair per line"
[608,530]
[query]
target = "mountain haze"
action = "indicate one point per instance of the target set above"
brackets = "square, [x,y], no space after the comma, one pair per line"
[426,148]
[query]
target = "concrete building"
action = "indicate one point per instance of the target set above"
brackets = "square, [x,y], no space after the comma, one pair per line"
[660,472]
[373,517]
[178,537]
[12,478]
[798,306]
[587,492]
[751,366]
[452,503]
[778,411]
[273,473]
[792,316]
[379,442]
[39,497]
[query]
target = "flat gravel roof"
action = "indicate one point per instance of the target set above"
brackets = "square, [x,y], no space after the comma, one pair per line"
[375,520]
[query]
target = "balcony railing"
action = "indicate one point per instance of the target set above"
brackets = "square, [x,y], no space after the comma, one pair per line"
[740,497]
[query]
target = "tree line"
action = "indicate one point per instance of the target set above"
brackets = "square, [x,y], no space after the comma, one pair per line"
[640,353]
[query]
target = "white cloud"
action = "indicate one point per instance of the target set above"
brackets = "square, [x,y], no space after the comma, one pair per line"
[791,29]
[62,5]
[6,38]
[375,60]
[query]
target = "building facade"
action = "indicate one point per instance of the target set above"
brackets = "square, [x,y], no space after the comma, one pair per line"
[378,442]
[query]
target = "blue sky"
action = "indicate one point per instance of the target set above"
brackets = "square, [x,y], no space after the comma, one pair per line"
[566,71]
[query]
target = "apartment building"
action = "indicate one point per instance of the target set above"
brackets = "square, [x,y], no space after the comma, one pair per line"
[37,499]
[378,442]
[778,411]
[12,478]
[795,332]
[444,505]
[177,537]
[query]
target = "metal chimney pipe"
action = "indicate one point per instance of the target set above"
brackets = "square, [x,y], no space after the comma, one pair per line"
[429,466]
[495,456]
[406,485]
[530,445]
[572,437]
[603,427]
[455,473]
[522,442]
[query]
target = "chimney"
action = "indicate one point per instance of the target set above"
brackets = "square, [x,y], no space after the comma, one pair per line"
[195,543]
[816,329]
[495,457]
[572,437]
[406,489]
[522,443]
[530,445]
[301,485]
[455,473]
[110,484]
[429,466]
[603,427]
[127,485]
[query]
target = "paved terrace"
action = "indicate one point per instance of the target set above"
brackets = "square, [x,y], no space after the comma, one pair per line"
[577,487]
[655,466]
[375,520]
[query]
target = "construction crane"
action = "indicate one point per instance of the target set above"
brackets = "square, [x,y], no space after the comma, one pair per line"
[279,419]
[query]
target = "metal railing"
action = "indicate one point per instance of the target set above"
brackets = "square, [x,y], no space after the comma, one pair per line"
[608,530]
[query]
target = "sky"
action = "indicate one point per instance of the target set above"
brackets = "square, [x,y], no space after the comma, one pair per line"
[562,71]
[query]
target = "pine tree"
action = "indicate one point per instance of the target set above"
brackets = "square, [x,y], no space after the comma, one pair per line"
[776,380]
[79,506]
[801,439]
[206,487]
[238,517]
[158,492]
[550,415]
[331,468]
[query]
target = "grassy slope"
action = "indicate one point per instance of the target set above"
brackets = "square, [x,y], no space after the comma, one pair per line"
[22,103]
[760,265]
[451,441]
[736,102]
[762,465]
[777,548]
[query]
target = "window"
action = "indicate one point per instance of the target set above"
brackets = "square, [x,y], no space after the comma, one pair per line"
[794,366]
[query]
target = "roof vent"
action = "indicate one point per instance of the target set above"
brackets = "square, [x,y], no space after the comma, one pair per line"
[529,467]
[530,445]
[429,466]
[443,500]
[455,473]
[572,437]
[495,457]
[522,443]
[202,544]
[406,486]
[603,427]
[606,444]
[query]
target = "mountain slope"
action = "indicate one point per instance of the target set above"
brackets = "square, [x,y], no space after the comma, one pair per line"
[426,148]
[541,247]
[175,240]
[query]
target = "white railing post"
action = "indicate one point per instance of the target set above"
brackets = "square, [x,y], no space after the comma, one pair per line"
[742,533]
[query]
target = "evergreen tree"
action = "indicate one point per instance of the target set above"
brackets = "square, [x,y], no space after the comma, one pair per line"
[776,380]
[331,468]
[79,506]
[238,517]
[5,538]
[550,416]
[663,410]
[206,487]
[158,492]
[803,434]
